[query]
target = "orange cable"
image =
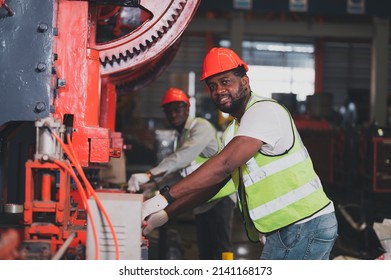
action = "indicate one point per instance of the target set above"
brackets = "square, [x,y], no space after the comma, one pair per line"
[72,156]
[92,191]
[84,200]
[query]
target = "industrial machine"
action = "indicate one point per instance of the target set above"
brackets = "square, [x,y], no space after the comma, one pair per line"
[61,62]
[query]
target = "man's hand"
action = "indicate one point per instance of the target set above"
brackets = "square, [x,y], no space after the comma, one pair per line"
[136,180]
[153,205]
[155,220]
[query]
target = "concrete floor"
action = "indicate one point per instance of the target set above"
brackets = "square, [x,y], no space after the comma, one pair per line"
[182,240]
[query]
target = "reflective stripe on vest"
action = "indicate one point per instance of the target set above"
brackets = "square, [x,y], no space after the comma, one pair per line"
[285,200]
[192,167]
[271,168]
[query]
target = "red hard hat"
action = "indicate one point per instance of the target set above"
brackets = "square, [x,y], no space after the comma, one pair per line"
[219,60]
[175,95]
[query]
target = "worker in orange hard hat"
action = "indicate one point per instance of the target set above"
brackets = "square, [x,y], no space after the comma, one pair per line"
[173,101]
[279,193]
[175,95]
[219,60]
[197,141]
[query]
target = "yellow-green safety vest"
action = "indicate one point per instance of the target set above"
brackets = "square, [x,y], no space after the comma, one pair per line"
[278,190]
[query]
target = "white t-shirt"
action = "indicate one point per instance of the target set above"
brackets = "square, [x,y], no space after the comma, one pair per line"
[274,128]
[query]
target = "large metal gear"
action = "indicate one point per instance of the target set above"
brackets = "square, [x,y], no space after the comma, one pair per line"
[150,45]
[135,79]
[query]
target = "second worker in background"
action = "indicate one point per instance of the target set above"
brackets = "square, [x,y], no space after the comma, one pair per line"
[196,141]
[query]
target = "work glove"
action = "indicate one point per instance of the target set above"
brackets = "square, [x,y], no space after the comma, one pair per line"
[136,180]
[153,205]
[155,220]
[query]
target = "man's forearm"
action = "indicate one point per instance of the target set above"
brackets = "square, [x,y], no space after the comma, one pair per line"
[197,198]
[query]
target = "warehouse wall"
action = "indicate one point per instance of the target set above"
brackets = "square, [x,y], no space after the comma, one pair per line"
[345,71]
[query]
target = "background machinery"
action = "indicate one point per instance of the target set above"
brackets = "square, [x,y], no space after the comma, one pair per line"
[60,64]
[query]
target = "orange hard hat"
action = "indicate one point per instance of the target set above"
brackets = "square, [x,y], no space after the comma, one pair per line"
[219,60]
[175,95]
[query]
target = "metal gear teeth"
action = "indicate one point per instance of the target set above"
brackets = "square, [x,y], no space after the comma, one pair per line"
[163,29]
[146,76]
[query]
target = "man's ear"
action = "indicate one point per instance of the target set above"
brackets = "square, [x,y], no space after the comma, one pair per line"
[187,107]
[245,80]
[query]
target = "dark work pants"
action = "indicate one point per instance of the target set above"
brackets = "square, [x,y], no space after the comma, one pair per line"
[214,230]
